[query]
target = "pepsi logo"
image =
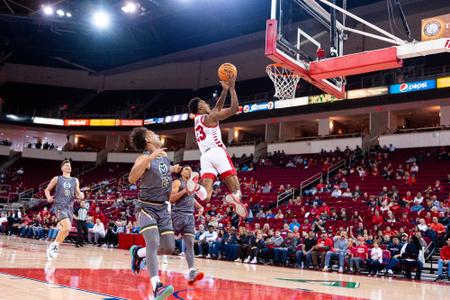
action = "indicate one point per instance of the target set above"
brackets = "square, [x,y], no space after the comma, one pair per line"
[403,87]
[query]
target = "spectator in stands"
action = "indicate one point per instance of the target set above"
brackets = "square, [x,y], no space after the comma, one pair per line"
[206,241]
[293,224]
[336,192]
[308,245]
[358,255]
[417,207]
[439,230]
[285,250]
[112,237]
[394,248]
[418,198]
[324,244]
[267,188]
[98,232]
[361,172]
[338,251]
[344,184]
[377,219]
[256,245]
[414,169]
[347,193]
[390,218]
[412,257]
[271,243]
[376,258]
[243,240]
[444,260]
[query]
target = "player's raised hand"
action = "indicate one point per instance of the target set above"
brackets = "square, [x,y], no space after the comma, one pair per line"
[231,81]
[50,199]
[158,153]
[225,85]
[176,168]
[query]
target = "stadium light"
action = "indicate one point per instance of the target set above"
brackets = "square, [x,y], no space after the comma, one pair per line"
[130,7]
[68,14]
[47,10]
[60,13]
[101,19]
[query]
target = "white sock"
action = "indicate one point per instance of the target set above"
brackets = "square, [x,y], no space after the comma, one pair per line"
[190,270]
[142,252]
[55,244]
[155,280]
[201,193]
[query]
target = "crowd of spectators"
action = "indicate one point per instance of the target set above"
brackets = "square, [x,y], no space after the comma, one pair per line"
[385,231]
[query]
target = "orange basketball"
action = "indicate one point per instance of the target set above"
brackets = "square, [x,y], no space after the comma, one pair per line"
[226,71]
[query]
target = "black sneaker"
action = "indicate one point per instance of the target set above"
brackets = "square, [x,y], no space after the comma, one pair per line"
[162,291]
[135,259]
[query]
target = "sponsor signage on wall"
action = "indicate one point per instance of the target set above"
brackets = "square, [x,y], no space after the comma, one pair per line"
[48,121]
[443,82]
[129,122]
[412,86]
[102,122]
[249,108]
[76,122]
[436,27]
[369,92]
[291,103]
[324,98]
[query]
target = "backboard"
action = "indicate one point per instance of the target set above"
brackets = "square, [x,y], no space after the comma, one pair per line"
[308,36]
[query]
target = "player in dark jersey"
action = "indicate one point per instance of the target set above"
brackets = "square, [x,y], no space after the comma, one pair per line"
[152,211]
[183,208]
[66,189]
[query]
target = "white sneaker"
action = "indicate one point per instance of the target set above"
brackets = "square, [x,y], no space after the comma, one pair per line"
[326,269]
[208,256]
[390,272]
[237,260]
[241,210]
[52,251]
[181,254]
[341,270]
[254,261]
[247,260]
[165,260]
[192,183]
[198,255]
[351,270]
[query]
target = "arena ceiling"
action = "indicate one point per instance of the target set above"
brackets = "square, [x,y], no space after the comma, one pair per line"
[161,27]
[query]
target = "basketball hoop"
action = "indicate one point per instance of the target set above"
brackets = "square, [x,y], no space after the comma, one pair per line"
[284,80]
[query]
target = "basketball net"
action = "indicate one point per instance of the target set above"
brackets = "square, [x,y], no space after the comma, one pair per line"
[284,80]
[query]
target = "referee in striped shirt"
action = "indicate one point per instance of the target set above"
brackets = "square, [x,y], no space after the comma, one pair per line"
[82,231]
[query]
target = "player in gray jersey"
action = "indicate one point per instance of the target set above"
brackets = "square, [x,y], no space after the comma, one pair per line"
[183,208]
[67,188]
[152,210]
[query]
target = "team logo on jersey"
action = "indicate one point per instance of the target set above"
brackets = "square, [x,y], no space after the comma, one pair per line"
[67,185]
[163,168]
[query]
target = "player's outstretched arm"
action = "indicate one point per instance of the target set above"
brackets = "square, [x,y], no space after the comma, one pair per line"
[223,96]
[51,185]
[176,195]
[142,163]
[225,113]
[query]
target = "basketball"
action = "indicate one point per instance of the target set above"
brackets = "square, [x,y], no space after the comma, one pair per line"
[226,71]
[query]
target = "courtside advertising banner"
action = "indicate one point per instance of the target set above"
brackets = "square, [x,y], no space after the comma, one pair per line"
[76,122]
[249,108]
[48,121]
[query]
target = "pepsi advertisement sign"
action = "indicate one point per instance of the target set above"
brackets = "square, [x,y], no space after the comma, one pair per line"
[412,86]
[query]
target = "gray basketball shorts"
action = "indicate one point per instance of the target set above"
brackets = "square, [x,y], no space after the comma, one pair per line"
[63,213]
[155,217]
[183,223]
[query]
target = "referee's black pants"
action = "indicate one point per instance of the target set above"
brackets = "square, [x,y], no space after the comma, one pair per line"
[82,232]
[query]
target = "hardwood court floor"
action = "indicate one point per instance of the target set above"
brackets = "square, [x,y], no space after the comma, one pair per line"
[102,273]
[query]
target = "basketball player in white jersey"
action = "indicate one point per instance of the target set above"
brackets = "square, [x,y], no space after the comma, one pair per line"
[215,159]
